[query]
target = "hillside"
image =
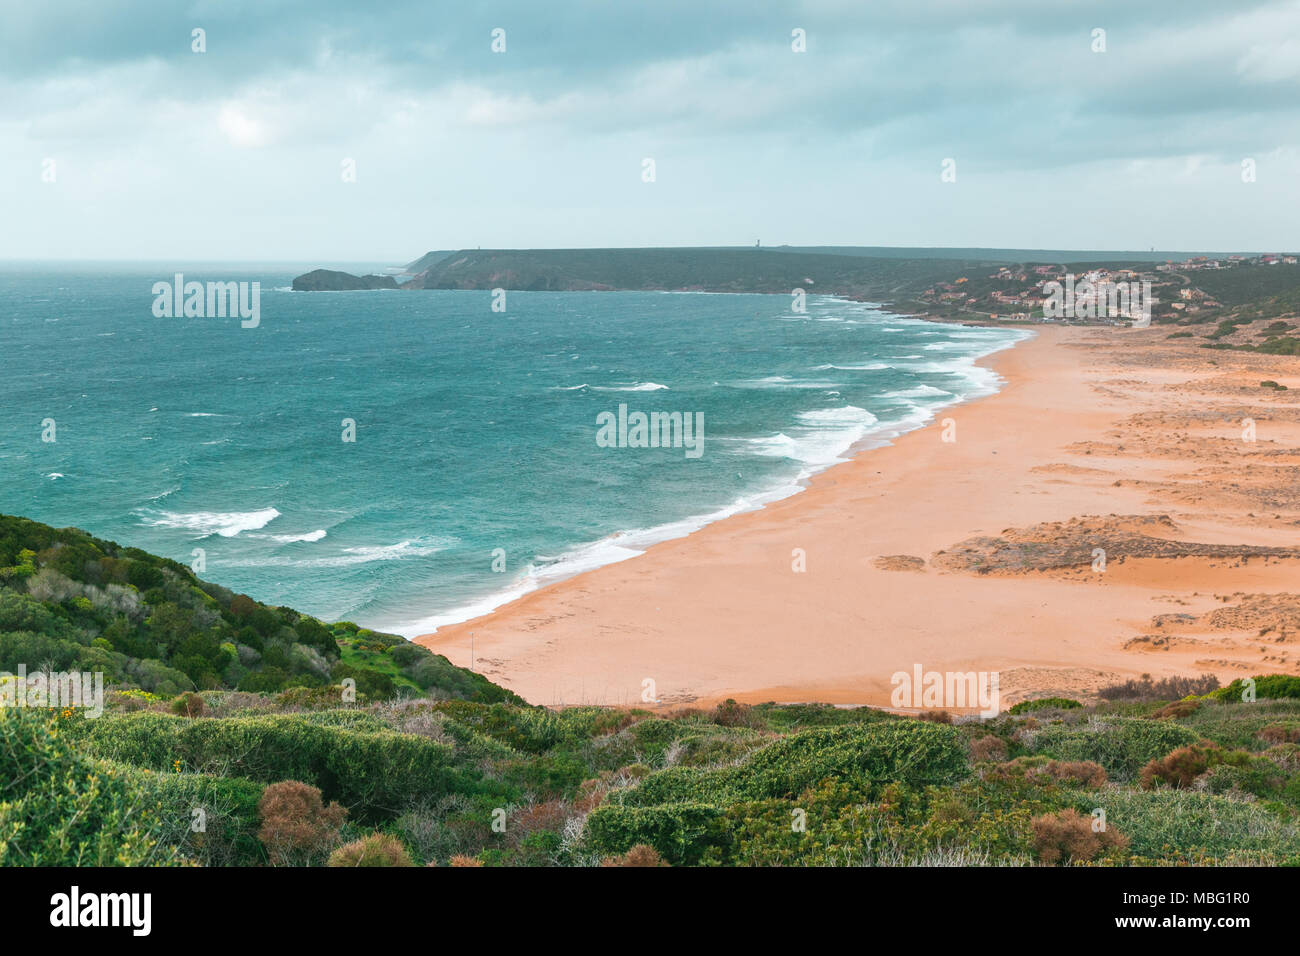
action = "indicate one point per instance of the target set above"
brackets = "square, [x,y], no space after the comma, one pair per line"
[70,601]
[705,270]
[678,270]
[426,261]
[432,764]
[328,280]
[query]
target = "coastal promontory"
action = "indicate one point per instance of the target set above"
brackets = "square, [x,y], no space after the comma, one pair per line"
[328,280]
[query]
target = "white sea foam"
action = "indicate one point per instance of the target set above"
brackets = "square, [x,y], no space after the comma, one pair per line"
[635,387]
[201,524]
[918,391]
[293,538]
[822,438]
[868,367]
[417,548]
[785,381]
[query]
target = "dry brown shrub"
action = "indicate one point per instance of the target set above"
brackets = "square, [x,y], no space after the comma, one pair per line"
[375,849]
[935,716]
[296,825]
[1179,708]
[988,747]
[730,713]
[639,855]
[685,713]
[1279,734]
[1181,767]
[1068,836]
[461,859]
[1082,773]
[1168,688]
[540,816]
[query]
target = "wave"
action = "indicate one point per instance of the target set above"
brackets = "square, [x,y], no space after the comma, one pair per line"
[347,557]
[637,387]
[292,538]
[833,417]
[784,381]
[203,524]
[822,438]
[918,391]
[869,367]
[837,425]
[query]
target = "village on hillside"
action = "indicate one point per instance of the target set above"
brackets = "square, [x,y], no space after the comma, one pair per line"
[1198,286]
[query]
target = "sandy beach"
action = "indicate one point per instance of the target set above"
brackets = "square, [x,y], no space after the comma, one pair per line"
[981,553]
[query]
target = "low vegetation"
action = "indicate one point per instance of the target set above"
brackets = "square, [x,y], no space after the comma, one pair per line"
[416,762]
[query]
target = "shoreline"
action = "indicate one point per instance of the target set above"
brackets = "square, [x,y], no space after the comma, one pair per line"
[721,613]
[442,636]
[881,435]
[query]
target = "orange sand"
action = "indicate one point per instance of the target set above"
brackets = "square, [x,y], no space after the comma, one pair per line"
[1100,422]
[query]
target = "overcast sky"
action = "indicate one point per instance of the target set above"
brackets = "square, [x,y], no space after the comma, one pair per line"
[159,152]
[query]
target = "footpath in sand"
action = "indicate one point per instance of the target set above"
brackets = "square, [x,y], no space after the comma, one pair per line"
[979,554]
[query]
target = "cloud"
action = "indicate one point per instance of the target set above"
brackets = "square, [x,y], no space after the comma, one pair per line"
[287,88]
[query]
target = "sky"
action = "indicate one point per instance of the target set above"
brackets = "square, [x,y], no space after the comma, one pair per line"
[993,123]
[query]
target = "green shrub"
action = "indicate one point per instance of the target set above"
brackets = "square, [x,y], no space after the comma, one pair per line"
[1267,686]
[1239,727]
[59,807]
[681,833]
[532,730]
[188,704]
[1122,745]
[1044,703]
[792,717]
[910,752]
[374,774]
[1195,827]
[213,820]
[1251,775]
[435,672]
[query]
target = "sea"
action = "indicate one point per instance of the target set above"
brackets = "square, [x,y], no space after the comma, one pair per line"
[410,459]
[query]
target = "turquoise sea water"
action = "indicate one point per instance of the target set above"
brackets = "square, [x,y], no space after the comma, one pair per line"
[475,430]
